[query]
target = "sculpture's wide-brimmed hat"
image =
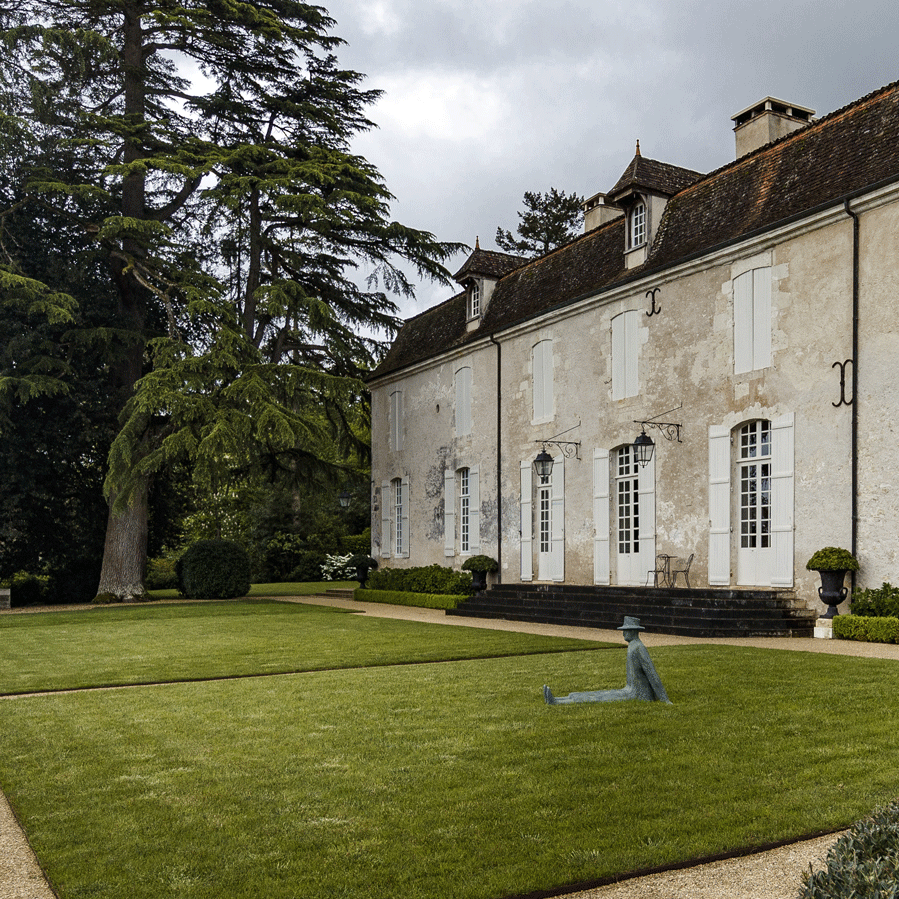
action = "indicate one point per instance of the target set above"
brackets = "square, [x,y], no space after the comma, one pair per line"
[630,624]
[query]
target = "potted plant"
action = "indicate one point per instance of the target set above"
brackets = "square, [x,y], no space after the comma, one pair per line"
[362,564]
[832,563]
[479,566]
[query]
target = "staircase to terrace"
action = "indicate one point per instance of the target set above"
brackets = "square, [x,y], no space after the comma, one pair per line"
[690,612]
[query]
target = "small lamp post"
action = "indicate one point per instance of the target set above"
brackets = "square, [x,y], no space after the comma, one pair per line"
[344,498]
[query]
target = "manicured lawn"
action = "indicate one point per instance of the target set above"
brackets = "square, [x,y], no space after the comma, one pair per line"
[448,779]
[140,644]
[277,589]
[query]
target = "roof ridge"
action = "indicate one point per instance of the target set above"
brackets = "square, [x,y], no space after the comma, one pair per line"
[813,125]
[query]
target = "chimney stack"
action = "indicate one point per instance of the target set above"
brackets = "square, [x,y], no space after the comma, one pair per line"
[766,121]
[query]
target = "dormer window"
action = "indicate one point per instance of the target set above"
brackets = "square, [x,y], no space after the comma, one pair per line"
[637,225]
[474,300]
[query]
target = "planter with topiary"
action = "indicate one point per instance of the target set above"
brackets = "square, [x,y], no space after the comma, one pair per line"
[832,563]
[479,566]
[362,564]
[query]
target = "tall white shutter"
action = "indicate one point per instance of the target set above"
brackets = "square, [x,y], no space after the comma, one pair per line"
[630,353]
[386,530]
[782,464]
[761,318]
[526,523]
[618,356]
[719,506]
[743,325]
[407,533]
[449,512]
[474,511]
[646,499]
[601,516]
[557,519]
[463,401]
[542,366]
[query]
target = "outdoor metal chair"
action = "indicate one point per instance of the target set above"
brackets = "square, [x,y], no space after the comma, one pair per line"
[679,566]
[660,572]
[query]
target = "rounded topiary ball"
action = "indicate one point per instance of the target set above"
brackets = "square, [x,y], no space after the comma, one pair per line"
[214,569]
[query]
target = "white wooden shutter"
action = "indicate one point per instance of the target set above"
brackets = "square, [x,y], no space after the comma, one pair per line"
[542,359]
[526,523]
[407,533]
[386,530]
[743,323]
[449,512]
[782,464]
[474,511]
[761,318]
[463,401]
[630,353]
[719,506]
[557,521]
[619,375]
[646,504]
[601,516]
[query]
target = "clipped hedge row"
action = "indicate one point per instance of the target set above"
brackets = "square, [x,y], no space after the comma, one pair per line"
[423,579]
[404,598]
[863,863]
[865,629]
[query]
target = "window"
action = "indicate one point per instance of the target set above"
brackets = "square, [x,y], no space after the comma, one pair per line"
[395,533]
[463,401]
[462,507]
[542,367]
[464,512]
[474,299]
[627,485]
[624,355]
[755,485]
[637,221]
[752,320]
[396,420]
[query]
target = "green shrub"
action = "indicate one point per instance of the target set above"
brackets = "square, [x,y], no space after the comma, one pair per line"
[880,602]
[863,863]
[866,629]
[832,558]
[337,568]
[75,581]
[402,598]
[308,567]
[28,589]
[480,563]
[162,574]
[214,569]
[282,554]
[426,579]
[357,544]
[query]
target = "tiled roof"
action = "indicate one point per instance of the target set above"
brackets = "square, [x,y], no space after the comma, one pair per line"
[847,151]
[491,263]
[655,176]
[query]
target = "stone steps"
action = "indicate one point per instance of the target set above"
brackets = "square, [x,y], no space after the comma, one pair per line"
[698,612]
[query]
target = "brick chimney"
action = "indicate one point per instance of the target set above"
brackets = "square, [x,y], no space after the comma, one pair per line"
[766,121]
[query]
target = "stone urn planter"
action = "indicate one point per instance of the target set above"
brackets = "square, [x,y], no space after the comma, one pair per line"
[479,566]
[363,565]
[832,563]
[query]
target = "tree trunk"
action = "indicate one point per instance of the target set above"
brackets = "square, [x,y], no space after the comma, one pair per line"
[125,551]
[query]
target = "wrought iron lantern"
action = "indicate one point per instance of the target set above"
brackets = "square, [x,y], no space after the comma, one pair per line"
[543,464]
[643,447]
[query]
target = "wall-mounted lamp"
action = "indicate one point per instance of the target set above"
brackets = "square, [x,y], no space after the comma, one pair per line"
[543,464]
[643,445]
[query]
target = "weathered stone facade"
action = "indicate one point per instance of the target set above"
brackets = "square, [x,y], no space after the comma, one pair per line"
[741,341]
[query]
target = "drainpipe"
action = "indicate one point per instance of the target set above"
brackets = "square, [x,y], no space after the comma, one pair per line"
[855,317]
[499,460]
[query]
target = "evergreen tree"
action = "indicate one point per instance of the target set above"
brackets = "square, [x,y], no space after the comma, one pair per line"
[206,154]
[547,222]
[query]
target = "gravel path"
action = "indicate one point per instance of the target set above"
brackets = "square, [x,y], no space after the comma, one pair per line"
[775,874]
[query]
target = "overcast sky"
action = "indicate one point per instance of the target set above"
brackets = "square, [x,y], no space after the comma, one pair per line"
[485,99]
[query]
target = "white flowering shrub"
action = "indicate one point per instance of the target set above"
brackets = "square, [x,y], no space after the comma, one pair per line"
[337,568]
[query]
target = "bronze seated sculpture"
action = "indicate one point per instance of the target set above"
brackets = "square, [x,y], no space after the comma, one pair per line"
[643,681]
